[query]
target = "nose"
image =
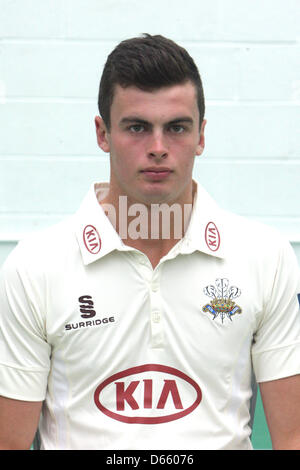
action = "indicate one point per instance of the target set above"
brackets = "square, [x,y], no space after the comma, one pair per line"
[157,146]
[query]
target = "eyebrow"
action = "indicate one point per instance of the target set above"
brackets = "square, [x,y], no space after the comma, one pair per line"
[136,119]
[131,119]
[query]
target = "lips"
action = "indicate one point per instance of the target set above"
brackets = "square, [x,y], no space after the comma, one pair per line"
[156,173]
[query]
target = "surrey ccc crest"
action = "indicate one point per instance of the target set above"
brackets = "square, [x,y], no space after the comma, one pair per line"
[222,303]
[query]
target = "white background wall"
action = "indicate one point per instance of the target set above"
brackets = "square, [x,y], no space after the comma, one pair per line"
[51,57]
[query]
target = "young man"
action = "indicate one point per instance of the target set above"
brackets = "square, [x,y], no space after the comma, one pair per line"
[135,324]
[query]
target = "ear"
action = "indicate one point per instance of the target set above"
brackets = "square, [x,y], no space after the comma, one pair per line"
[102,134]
[201,143]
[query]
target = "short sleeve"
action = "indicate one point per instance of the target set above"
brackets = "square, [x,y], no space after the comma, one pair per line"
[276,348]
[24,351]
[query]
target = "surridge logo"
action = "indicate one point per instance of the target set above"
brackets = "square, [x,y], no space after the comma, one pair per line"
[86,306]
[87,309]
[148,394]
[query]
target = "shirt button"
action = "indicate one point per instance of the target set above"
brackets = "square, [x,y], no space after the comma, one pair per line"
[156,317]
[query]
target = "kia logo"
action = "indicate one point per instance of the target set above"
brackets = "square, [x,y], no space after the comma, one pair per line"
[148,394]
[212,237]
[91,239]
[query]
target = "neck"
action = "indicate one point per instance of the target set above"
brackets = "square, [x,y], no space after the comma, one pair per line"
[151,222]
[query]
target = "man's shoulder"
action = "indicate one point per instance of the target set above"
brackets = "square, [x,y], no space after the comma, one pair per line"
[251,235]
[243,223]
[45,247]
[237,233]
[52,235]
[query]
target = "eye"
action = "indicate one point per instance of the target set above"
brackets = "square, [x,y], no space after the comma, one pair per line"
[137,128]
[177,128]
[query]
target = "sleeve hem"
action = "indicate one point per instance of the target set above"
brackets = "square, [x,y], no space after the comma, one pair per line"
[23,385]
[277,363]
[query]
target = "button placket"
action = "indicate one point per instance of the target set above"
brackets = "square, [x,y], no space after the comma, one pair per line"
[156,319]
[152,277]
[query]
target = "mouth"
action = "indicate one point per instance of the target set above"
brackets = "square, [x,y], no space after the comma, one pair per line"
[156,173]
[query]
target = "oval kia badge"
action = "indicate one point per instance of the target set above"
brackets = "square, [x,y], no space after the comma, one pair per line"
[91,239]
[148,394]
[212,236]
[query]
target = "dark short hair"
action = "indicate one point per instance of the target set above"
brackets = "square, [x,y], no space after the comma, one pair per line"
[149,63]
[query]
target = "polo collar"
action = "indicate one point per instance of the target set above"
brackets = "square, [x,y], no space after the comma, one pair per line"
[206,231]
[97,237]
[95,234]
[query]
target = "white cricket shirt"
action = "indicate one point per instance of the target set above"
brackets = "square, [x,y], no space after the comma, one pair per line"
[130,357]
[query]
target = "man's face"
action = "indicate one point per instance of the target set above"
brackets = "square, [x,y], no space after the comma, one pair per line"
[153,139]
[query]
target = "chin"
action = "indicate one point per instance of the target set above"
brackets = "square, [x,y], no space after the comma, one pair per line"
[157,198]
